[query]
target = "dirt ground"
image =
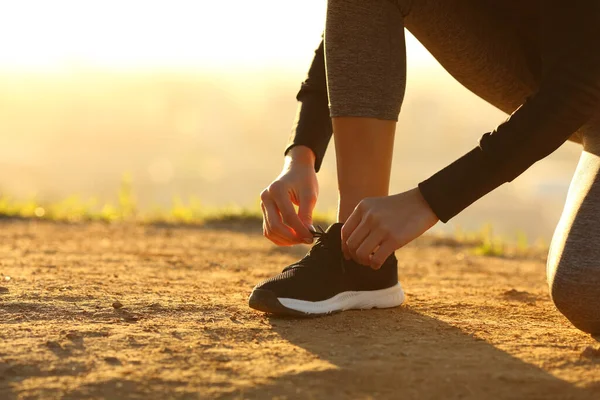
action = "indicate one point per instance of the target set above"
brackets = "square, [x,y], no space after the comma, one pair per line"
[150,312]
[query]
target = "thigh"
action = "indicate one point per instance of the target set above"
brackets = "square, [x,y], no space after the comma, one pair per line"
[491,48]
[477,42]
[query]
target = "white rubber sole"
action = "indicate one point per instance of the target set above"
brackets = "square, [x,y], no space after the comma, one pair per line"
[384,298]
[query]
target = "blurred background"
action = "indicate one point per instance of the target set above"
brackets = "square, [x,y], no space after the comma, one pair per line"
[196,98]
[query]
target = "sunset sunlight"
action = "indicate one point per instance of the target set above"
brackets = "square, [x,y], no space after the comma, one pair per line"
[184,182]
[272,34]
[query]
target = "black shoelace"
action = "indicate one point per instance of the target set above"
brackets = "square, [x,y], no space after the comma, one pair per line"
[322,248]
[318,232]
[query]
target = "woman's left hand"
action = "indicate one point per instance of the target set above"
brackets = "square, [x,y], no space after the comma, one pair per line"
[380,225]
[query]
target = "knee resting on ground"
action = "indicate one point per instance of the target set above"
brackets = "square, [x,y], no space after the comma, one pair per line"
[576,294]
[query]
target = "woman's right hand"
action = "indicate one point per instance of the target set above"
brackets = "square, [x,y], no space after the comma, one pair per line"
[296,184]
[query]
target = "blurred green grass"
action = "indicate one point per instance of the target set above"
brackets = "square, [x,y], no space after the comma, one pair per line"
[192,212]
[125,209]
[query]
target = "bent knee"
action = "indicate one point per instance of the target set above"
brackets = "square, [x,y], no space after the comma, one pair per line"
[579,301]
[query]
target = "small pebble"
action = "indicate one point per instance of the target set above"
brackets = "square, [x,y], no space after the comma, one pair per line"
[591,353]
[131,318]
[51,344]
[117,305]
[112,360]
[73,336]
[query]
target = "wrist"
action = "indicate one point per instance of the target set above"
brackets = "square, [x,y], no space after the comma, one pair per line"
[300,155]
[426,206]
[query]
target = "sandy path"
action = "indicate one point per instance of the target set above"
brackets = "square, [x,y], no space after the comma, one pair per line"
[473,327]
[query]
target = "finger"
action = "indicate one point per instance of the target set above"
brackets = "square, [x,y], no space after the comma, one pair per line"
[306,206]
[267,233]
[347,230]
[385,250]
[269,214]
[279,240]
[291,219]
[368,247]
[274,238]
[267,230]
[355,240]
[276,226]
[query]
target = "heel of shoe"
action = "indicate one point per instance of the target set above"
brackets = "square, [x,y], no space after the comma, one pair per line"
[383,298]
[387,298]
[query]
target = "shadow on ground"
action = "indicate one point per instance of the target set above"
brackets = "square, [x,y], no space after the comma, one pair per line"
[404,354]
[5,391]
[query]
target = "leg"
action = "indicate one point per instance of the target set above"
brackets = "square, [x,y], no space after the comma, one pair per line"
[364,148]
[574,259]
[366,75]
[365,64]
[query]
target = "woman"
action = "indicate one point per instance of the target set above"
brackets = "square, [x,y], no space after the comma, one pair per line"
[539,60]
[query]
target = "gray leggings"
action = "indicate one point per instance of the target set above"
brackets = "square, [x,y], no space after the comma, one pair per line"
[479,44]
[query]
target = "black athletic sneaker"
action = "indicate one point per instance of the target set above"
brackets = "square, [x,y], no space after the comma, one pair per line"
[324,282]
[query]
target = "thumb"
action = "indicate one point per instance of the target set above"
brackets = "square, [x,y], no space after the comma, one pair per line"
[306,205]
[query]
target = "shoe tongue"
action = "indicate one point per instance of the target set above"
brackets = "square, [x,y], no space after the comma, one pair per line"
[337,227]
[334,234]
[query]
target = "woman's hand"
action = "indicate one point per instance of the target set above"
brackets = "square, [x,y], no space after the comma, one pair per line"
[380,225]
[296,184]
